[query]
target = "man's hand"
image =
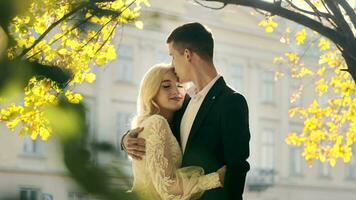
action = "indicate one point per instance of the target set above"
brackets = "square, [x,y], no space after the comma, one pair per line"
[222,172]
[134,146]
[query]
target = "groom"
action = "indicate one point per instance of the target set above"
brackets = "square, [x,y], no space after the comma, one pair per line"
[212,126]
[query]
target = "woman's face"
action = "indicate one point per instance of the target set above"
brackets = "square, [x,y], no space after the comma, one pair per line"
[171,93]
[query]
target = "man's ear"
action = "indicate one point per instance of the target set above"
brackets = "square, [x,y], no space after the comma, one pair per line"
[188,54]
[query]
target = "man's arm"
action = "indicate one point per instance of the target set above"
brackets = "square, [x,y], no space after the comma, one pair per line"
[135,147]
[236,137]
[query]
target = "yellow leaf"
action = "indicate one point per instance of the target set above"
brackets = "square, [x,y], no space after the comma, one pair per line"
[268,24]
[44,133]
[139,24]
[329,58]
[62,51]
[317,3]
[322,158]
[296,94]
[90,78]
[277,59]
[100,61]
[12,124]
[324,44]
[110,52]
[23,131]
[321,86]
[293,57]
[332,162]
[269,29]
[321,71]
[73,98]
[300,36]
[34,135]
[26,19]
[40,27]
[304,71]
[146,2]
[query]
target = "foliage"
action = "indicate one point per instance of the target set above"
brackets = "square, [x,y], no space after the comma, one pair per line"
[73,35]
[330,119]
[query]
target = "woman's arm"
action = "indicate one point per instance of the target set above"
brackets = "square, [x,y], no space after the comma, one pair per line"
[170,182]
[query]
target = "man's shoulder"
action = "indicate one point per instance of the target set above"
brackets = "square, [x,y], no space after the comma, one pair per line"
[229,95]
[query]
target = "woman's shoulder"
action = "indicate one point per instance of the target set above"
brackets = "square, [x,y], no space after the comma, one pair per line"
[154,124]
[154,120]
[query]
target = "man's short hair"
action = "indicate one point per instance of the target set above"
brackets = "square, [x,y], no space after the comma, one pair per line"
[195,37]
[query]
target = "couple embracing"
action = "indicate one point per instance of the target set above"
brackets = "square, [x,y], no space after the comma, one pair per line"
[188,143]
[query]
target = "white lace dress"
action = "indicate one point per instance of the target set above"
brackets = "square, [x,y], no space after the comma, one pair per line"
[158,175]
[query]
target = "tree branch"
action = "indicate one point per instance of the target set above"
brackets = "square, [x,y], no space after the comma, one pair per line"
[24,52]
[262,13]
[114,17]
[97,33]
[342,36]
[214,8]
[107,39]
[349,11]
[67,32]
[319,14]
[339,18]
[333,35]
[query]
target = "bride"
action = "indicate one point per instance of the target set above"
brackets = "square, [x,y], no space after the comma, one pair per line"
[158,175]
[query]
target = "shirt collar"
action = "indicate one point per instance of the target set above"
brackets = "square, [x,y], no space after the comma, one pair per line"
[196,96]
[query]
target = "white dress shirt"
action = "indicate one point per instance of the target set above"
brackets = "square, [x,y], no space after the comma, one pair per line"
[192,110]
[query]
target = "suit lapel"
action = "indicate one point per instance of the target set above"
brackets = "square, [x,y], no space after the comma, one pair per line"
[205,107]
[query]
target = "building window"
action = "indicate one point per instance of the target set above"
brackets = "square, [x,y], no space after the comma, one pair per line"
[267,149]
[78,196]
[46,196]
[324,170]
[236,75]
[296,161]
[29,194]
[32,147]
[123,124]
[125,64]
[268,87]
[351,167]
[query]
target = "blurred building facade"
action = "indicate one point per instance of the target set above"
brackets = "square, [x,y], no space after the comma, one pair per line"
[243,55]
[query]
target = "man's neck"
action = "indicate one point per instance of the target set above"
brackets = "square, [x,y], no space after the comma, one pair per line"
[204,77]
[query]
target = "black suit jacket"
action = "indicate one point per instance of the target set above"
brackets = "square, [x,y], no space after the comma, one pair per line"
[219,136]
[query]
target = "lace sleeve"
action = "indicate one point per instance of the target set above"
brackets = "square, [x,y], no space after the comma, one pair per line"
[170,182]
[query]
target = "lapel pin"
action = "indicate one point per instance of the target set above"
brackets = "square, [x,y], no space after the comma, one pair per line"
[213,97]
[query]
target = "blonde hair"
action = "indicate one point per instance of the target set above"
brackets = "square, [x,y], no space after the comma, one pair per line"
[149,87]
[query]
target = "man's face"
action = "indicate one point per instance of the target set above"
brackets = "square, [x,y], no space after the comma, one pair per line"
[180,63]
